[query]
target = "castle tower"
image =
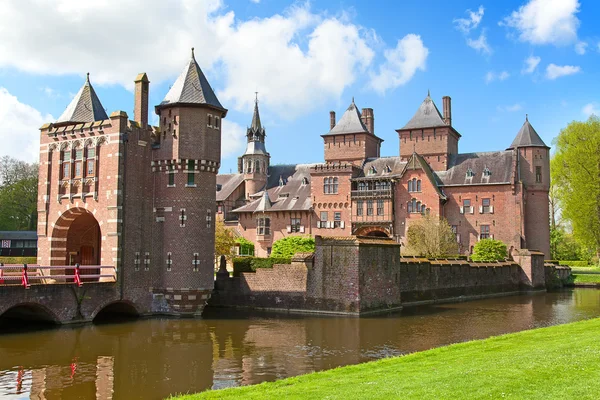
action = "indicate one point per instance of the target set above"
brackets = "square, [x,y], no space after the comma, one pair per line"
[353,138]
[254,164]
[533,172]
[186,165]
[430,134]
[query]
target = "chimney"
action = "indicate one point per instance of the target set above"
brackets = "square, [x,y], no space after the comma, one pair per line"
[447,103]
[140,103]
[368,119]
[331,120]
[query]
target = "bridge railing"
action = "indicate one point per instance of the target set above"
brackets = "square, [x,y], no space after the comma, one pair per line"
[25,275]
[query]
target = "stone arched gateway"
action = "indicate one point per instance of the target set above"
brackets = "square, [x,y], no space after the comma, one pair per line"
[376,231]
[76,238]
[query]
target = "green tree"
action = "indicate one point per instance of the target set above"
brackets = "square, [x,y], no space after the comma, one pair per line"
[575,170]
[431,236]
[288,246]
[224,240]
[489,250]
[246,246]
[18,195]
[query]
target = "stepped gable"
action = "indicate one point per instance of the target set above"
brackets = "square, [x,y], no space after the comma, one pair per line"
[191,87]
[498,163]
[527,137]
[293,194]
[85,106]
[427,116]
[228,183]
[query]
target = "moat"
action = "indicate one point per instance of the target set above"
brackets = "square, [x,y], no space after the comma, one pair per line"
[153,358]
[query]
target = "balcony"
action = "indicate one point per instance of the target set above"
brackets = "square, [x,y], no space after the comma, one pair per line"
[370,194]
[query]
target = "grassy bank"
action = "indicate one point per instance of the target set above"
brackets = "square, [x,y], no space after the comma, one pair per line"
[559,362]
[586,278]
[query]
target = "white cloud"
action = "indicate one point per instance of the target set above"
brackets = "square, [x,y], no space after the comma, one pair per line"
[545,21]
[19,128]
[512,108]
[493,76]
[591,108]
[255,1]
[232,139]
[480,44]
[401,64]
[580,48]
[297,60]
[554,71]
[465,25]
[531,64]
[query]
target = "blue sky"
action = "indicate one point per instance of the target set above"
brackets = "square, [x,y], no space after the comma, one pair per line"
[305,59]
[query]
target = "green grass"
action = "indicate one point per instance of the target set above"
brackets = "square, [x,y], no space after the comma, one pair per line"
[586,278]
[586,270]
[18,260]
[559,362]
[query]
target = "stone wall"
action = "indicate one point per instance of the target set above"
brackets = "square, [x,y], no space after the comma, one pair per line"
[359,275]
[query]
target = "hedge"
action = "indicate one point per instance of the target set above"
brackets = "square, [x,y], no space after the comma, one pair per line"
[18,260]
[574,263]
[251,264]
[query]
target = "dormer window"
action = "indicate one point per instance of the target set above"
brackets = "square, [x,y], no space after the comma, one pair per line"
[372,170]
[281,182]
[470,173]
[305,181]
[284,195]
[387,169]
[487,172]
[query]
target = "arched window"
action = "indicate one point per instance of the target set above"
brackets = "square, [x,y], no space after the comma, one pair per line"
[65,156]
[409,205]
[414,205]
[418,208]
[90,161]
[410,188]
[423,208]
[419,185]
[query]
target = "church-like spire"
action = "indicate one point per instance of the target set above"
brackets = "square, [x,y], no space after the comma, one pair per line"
[256,125]
[85,106]
[527,137]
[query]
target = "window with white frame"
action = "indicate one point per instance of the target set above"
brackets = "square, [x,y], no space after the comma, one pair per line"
[295,224]
[337,219]
[263,226]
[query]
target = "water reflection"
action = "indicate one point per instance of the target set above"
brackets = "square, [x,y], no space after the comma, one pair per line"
[152,359]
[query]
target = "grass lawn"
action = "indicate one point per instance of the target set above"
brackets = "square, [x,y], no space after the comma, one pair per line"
[586,270]
[559,362]
[586,278]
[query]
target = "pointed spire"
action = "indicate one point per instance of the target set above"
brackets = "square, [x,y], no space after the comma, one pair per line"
[191,87]
[527,137]
[427,116]
[351,122]
[264,204]
[256,125]
[85,106]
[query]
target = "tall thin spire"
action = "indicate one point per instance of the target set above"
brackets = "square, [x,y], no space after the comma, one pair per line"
[256,125]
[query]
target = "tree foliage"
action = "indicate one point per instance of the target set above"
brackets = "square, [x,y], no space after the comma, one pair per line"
[246,246]
[489,250]
[288,246]
[224,240]
[431,236]
[18,195]
[575,170]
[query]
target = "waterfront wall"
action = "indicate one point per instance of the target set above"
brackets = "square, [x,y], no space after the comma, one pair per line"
[357,275]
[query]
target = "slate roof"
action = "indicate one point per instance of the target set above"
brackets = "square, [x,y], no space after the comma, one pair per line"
[228,183]
[191,87]
[527,137]
[349,123]
[499,164]
[293,195]
[427,116]
[256,135]
[85,106]
[382,167]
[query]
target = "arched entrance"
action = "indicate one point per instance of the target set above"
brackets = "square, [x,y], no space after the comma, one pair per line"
[76,239]
[23,315]
[373,231]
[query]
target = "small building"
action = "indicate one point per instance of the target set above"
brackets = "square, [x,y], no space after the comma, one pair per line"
[18,243]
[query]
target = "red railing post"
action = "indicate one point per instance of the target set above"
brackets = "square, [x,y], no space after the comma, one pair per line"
[1,274]
[77,276]
[25,278]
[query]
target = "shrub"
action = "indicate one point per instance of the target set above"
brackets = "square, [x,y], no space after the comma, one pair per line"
[246,246]
[431,237]
[18,260]
[489,250]
[291,245]
[574,263]
[251,264]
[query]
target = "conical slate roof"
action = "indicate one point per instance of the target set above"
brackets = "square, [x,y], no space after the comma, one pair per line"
[256,125]
[85,106]
[191,87]
[427,116]
[264,204]
[350,122]
[527,137]
[256,135]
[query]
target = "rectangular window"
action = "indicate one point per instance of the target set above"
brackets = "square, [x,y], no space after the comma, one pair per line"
[484,232]
[337,219]
[538,174]
[485,206]
[359,208]
[264,226]
[295,224]
[79,154]
[66,171]
[91,152]
[191,175]
[467,206]
[369,207]
[379,207]
[90,167]
[171,175]
[77,169]
[323,216]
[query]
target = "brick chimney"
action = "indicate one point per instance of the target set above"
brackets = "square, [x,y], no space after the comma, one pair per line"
[368,119]
[140,103]
[331,120]
[447,104]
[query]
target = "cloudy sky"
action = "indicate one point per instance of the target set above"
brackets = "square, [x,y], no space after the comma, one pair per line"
[497,60]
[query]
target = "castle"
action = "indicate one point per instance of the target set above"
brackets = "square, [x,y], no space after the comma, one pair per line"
[119,192]
[501,195]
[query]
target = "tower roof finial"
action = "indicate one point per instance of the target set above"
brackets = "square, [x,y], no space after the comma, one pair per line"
[87,79]
[193,53]
[256,98]
[428,93]
[526,117]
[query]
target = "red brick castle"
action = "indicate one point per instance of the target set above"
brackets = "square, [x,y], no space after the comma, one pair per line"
[501,194]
